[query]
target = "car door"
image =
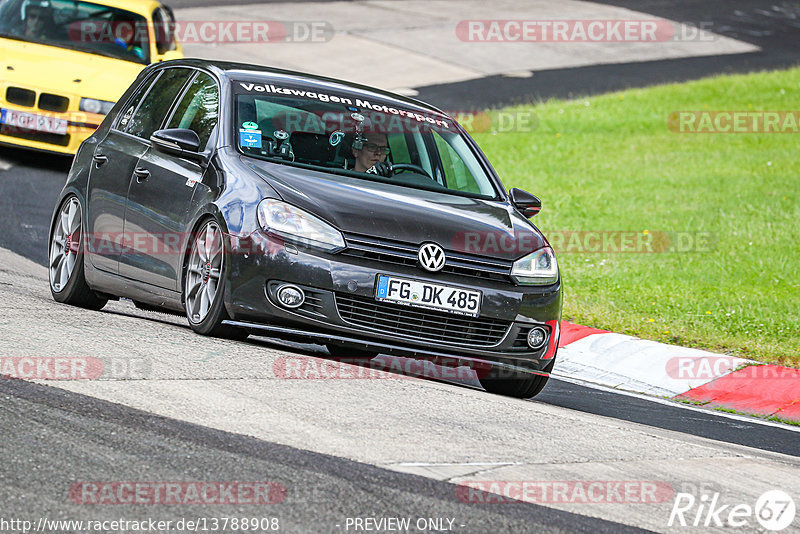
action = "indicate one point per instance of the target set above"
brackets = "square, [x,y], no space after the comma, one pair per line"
[114,163]
[160,193]
[114,159]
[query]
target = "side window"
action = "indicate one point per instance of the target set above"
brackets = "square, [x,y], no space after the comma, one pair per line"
[456,173]
[397,144]
[153,109]
[198,108]
[125,115]
[164,26]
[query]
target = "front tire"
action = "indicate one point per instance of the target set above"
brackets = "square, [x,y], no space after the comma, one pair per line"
[65,259]
[519,385]
[204,284]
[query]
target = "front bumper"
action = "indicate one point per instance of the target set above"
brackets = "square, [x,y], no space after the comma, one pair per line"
[80,125]
[341,307]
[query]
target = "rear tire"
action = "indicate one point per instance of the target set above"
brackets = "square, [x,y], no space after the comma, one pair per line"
[204,285]
[519,385]
[66,256]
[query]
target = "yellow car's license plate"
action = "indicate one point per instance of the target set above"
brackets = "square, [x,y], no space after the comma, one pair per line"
[31,121]
[427,295]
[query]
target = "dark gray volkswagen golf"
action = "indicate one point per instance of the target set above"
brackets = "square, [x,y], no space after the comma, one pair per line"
[262,201]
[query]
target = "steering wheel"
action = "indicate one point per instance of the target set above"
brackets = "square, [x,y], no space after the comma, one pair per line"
[397,168]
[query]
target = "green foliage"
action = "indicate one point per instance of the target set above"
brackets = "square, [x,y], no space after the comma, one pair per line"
[610,163]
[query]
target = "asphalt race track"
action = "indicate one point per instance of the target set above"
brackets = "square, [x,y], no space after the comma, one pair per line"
[81,438]
[214,410]
[772,26]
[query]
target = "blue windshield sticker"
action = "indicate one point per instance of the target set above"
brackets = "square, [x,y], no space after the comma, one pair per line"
[250,138]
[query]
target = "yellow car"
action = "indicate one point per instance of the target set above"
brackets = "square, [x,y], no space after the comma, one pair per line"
[64,63]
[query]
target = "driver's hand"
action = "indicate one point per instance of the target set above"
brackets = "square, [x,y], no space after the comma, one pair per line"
[381,169]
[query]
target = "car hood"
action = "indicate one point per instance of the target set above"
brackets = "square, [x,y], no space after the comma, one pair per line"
[356,206]
[65,71]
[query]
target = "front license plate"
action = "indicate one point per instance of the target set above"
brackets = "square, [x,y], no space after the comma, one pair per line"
[426,295]
[30,121]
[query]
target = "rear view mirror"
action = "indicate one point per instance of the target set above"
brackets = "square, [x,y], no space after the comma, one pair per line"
[528,204]
[179,142]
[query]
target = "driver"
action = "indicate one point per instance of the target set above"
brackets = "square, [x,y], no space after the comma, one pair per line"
[38,19]
[371,158]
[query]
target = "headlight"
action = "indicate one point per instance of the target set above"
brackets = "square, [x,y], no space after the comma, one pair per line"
[90,105]
[298,226]
[538,268]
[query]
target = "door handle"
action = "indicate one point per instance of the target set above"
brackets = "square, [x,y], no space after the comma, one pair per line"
[100,160]
[141,174]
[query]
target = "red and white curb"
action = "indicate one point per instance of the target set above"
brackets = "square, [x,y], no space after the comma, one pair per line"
[715,380]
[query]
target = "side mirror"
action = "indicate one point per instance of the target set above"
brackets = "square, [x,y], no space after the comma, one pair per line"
[179,142]
[528,204]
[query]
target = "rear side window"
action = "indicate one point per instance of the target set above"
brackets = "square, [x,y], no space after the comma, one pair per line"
[198,108]
[125,115]
[153,109]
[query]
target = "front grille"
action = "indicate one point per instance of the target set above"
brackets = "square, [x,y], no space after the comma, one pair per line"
[419,324]
[31,135]
[398,253]
[56,103]
[313,302]
[20,96]
[521,342]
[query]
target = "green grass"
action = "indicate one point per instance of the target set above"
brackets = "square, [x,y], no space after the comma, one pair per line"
[610,163]
[784,421]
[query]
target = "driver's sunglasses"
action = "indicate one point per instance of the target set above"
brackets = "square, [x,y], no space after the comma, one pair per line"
[35,16]
[375,148]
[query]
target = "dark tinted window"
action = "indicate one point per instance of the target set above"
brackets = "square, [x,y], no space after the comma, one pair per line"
[126,114]
[94,28]
[155,106]
[198,108]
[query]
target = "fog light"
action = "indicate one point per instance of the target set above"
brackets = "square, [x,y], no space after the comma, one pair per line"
[537,337]
[291,296]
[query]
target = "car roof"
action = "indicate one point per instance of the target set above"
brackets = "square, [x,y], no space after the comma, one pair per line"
[235,71]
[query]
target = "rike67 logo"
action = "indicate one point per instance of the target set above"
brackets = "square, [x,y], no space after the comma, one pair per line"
[774,511]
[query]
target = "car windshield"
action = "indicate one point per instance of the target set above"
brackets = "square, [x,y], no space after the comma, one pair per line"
[84,26]
[357,136]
